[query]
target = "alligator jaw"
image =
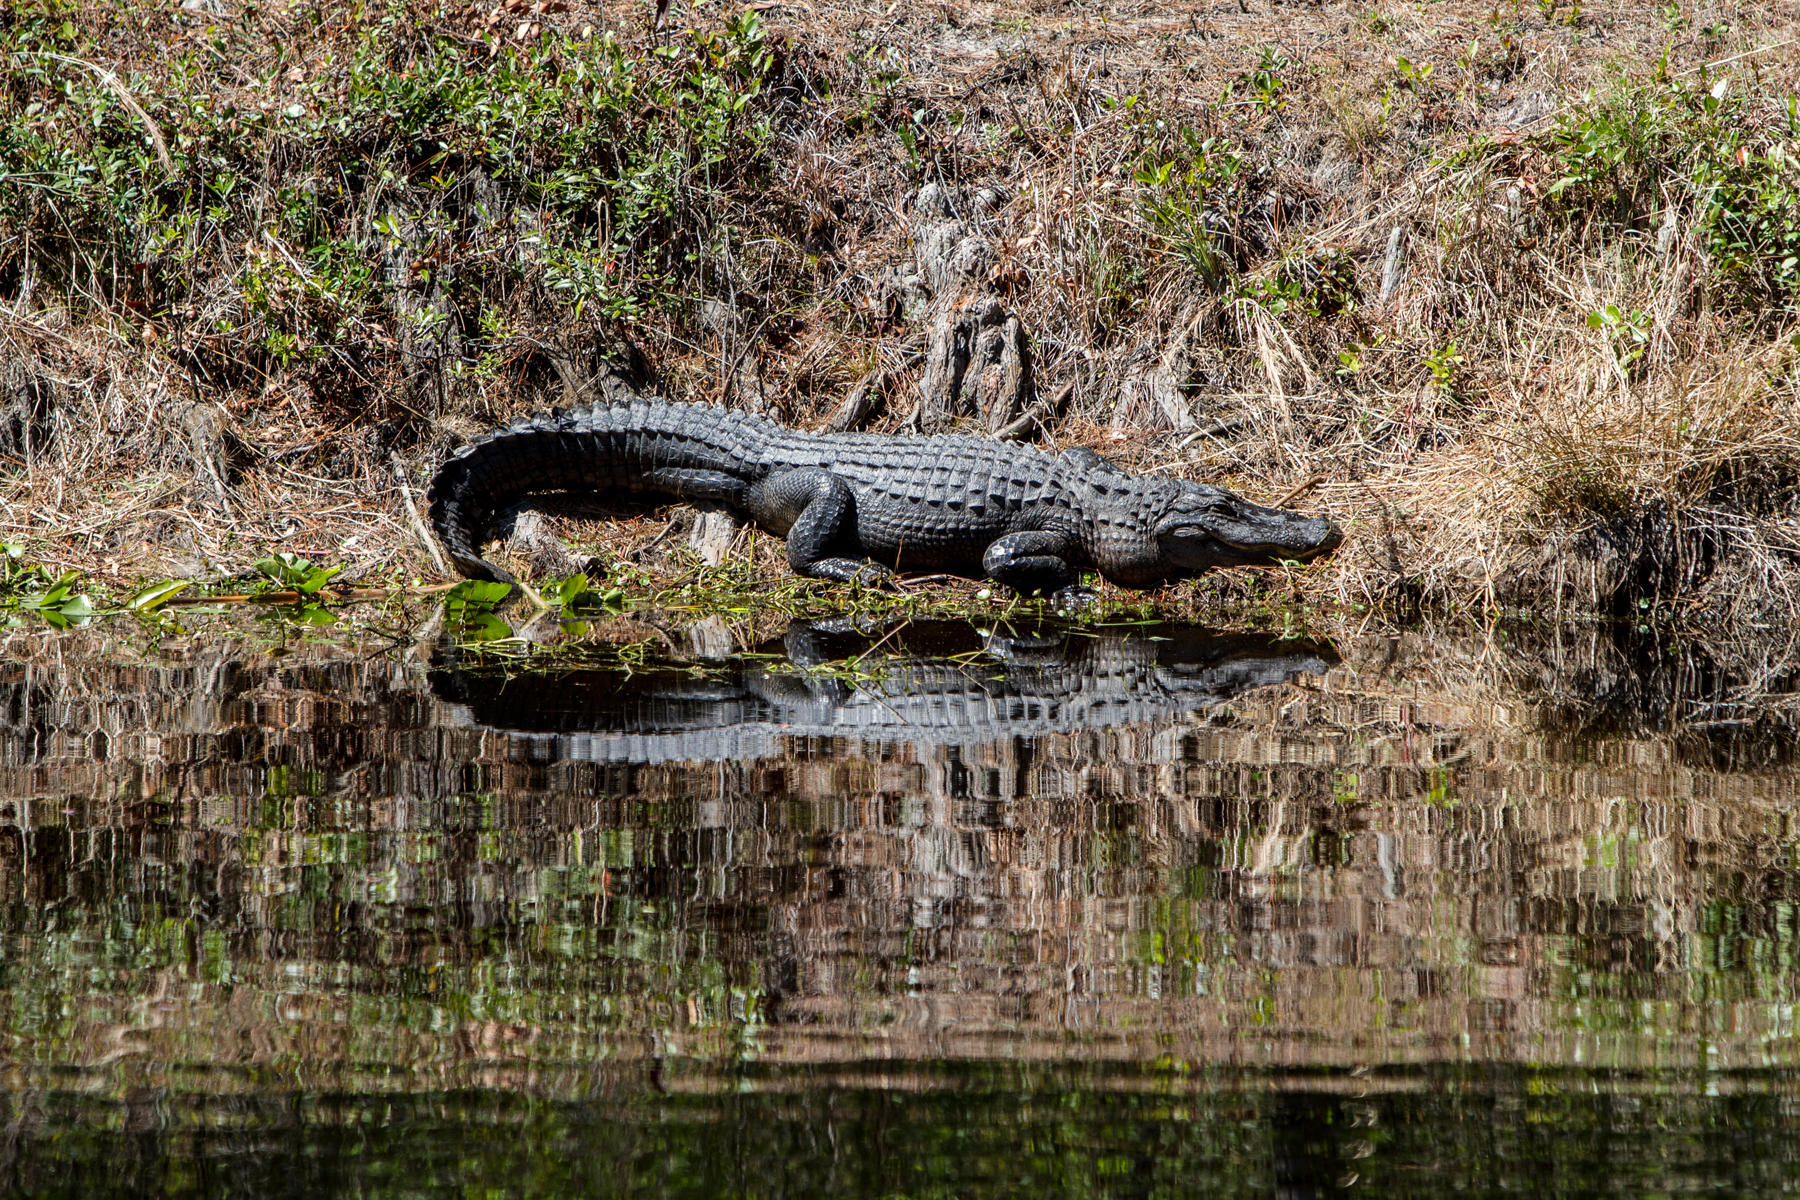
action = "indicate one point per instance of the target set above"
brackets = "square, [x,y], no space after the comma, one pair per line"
[1209,527]
[1290,538]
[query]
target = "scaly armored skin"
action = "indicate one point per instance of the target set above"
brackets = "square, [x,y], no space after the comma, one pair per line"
[857,506]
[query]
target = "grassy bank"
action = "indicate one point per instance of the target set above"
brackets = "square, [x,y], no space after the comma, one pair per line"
[1511,290]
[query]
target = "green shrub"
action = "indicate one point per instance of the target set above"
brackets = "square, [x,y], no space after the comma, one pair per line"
[1191,198]
[1726,165]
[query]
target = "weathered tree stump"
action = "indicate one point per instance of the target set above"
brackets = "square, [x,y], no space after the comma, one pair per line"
[545,555]
[712,535]
[977,354]
[219,456]
[977,364]
[27,413]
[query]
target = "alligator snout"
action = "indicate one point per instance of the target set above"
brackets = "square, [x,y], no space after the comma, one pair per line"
[1322,537]
[1273,534]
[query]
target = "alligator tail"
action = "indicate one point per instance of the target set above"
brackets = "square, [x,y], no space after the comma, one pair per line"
[686,450]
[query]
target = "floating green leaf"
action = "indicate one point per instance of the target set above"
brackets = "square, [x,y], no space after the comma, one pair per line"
[577,594]
[60,604]
[297,572]
[484,627]
[315,614]
[476,593]
[153,596]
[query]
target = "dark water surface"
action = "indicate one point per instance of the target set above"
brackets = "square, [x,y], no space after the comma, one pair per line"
[922,912]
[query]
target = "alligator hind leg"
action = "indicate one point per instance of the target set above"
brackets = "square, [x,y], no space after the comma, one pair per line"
[818,512]
[1033,560]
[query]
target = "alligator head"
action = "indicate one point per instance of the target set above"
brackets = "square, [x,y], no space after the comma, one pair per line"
[1205,527]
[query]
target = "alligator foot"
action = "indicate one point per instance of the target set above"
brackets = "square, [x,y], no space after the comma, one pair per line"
[852,570]
[1032,562]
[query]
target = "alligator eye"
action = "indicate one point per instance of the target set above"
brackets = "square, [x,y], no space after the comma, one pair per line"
[1199,505]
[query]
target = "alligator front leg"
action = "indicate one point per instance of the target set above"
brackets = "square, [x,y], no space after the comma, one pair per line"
[818,511]
[1033,560]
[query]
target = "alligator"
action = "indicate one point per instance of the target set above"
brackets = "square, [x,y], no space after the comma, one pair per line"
[860,506]
[938,684]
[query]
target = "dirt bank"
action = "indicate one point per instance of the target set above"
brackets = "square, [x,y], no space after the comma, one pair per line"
[1510,291]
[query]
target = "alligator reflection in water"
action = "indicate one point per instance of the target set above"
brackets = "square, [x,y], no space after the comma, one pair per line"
[297,913]
[929,684]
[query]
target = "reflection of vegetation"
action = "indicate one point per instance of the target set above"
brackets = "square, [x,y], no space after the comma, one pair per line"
[328,931]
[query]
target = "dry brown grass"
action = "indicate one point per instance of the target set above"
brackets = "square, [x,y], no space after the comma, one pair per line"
[1536,468]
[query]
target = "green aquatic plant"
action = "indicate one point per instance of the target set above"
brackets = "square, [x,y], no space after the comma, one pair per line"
[32,588]
[577,594]
[59,602]
[286,574]
[469,610]
[151,597]
[294,572]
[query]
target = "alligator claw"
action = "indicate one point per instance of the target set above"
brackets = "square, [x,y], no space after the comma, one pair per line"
[860,572]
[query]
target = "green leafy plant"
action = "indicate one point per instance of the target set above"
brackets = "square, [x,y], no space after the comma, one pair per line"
[577,594]
[284,572]
[1186,201]
[1445,365]
[1267,82]
[1413,75]
[60,603]
[151,597]
[386,167]
[30,588]
[1627,332]
[1736,177]
[469,610]
[1319,284]
[1547,9]
[294,572]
